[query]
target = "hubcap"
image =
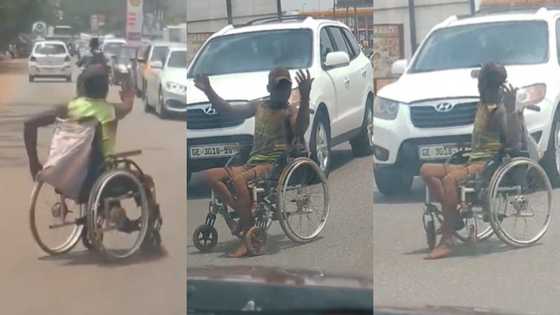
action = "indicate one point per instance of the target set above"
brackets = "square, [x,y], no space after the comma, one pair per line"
[321,147]
[369,127]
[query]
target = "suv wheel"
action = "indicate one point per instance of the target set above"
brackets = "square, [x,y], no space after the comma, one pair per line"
[320,142]
[31,78]
[362,145]
[551,159]
[392,180]
[147,107]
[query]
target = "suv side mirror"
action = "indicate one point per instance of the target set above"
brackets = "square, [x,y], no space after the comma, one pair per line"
[156,64]
[399,67]
[337,59]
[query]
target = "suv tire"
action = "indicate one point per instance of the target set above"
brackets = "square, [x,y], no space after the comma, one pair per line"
[362,145]
[392,181]
[551,159]
[321,127]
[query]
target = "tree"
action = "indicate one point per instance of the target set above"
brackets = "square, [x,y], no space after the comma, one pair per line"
[18,16]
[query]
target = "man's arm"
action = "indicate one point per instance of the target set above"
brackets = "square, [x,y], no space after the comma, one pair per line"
[30,127]
[300,122]
[124,108]
[223,107]
[510,122]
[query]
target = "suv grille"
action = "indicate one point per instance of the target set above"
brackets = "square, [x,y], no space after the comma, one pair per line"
[427,116]
[198,119]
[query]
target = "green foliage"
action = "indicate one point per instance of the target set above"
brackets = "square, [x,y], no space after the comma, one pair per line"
[18,16]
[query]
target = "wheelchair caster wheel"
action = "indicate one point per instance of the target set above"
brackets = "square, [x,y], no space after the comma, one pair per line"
[205,237]
[152,242]
[431,234]
[255,239]
[86,241]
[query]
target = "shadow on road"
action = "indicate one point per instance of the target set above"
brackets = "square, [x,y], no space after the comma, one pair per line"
[197,189]
[11,66]
[462,250]
[275,244]
[86,257]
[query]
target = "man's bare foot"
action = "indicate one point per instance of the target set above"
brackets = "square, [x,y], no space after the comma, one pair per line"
[441,251]
[241,251]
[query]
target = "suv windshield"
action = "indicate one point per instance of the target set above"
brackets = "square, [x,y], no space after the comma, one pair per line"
[112,48]
[509,43]
[178,59]
[50,49]
[255,51]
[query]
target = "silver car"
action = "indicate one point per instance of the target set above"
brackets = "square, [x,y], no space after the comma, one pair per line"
[50,59]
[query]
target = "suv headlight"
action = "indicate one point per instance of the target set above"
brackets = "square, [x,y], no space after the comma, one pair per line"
[530,95]
[385,109]
[176,88]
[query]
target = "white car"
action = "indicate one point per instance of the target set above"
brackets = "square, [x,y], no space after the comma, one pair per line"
[151,67]
[238,60]
[428,113]
[111,47]
[167,88]
[50,59]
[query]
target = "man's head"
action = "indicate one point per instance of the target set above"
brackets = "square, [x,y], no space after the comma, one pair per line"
[279,86]
[490,79]
[96,82]
[94,43]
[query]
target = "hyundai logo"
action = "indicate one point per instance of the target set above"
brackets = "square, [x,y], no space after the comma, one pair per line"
[444,107]
[209,111]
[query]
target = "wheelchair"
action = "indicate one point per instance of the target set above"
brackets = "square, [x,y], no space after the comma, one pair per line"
[512,193]
[295,193]
[115,187]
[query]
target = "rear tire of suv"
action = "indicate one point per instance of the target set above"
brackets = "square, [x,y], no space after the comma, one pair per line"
[147,107]
[320,143]
[160,107]
[551,159]
[31,78]
[362,145]
[392,181]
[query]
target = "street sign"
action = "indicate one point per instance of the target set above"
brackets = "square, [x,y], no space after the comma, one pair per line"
[134,17]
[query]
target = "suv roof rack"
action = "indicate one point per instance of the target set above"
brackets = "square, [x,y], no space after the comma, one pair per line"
[275,18]
[517,9]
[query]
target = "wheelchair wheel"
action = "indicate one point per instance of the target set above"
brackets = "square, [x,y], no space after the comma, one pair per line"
[118,214]
[205,237]
[430,228]
[476,228]
[52,219]
[520,198]
[302,201]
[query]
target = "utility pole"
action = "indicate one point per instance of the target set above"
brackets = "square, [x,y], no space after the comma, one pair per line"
[229,14]
[412,19]
[279,8]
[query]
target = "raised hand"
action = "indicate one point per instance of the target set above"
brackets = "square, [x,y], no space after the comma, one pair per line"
[304,83]
[509,95]
[203,83]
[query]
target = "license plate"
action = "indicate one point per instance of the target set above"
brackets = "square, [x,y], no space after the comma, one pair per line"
[213,151]
[438,151]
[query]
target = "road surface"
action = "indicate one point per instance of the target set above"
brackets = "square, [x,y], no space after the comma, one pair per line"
[490,275]
[79,282]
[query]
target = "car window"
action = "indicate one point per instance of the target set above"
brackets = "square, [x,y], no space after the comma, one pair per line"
[352,43]
[50,49]
[112,48]
[177,59]
[326,45]
[160,53]
[255,51]
[470,46]
[339,42]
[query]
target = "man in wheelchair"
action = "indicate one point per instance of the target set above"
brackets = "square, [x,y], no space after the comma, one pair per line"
[92,105]
[497,127]
[278,126]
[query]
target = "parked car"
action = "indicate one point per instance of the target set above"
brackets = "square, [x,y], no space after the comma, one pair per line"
[428,113]
[155,56]
[50,59]
[166,90]
[142,53]
[238,60]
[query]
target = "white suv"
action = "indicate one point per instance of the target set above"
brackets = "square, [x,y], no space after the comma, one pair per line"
[238,59]
[428,113]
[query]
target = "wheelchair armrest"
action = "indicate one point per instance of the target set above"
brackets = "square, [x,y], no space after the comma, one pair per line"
[459,157]
[124,154]
[513,152]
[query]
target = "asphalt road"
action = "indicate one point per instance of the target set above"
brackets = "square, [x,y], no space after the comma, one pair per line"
[344,246]
[489,275]
[80,282]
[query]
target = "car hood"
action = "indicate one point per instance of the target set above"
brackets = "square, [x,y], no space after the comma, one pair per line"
[178,75]
[238,86]
[440,310]
[279,276]
[458,83]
